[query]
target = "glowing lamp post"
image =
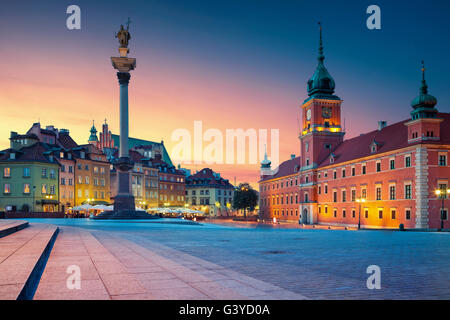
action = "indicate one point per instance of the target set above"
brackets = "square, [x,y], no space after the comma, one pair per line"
[359,200]
[441,193]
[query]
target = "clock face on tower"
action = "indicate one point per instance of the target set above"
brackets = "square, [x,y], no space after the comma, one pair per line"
[308,114]
[326,112]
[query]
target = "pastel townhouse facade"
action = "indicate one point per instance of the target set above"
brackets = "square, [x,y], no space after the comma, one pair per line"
[381,179]
[207,191]
[92,176]
[29,176]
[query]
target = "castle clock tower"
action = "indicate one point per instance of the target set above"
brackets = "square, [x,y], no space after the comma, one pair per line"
[321,111]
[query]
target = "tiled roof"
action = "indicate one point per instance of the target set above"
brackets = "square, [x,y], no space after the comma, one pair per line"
[134,143]
[389,138]
[25,136]
[37,152]
[66,141]
[207,176]
[286,168]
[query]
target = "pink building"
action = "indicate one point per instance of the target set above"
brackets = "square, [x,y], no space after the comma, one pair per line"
[380,179]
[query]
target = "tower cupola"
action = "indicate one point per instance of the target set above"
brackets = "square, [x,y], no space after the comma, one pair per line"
[93,136]
[321,82]
[424,103]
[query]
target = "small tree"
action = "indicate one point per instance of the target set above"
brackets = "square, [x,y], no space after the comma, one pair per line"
[245,197]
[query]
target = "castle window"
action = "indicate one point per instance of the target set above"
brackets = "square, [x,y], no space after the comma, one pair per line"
[408,214]
[393,212]
[363,169]
[344,196]
[442,160]
[335,213]
[407,161]
[334,196]
[353,171]
[378,166]
[380,213]
[366,213]
[407,191]
[343,173]
[353,213]
[378,193]
[392,193]
[392,164]
[343,213]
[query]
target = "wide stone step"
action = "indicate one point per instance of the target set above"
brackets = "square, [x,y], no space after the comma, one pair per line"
[23,255]
[112,267]
[8,227]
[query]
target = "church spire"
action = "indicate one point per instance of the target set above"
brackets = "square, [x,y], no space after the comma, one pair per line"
[321,83]
[321,56]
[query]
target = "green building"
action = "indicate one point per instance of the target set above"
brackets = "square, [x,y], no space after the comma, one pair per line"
[29,176]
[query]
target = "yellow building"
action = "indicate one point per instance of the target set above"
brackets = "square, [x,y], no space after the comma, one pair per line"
[92,180]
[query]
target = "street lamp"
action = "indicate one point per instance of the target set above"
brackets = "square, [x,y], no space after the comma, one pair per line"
[359,200]
[442,194]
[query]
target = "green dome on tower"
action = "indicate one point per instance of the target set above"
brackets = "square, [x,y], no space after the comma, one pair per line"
[321,83]
[424,103]
[93,136]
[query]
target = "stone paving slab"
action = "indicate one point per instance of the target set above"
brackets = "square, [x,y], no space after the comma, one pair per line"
[20,254]
[8,227]
[115,268]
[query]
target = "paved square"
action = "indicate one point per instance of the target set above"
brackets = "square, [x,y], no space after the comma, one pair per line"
[210,261]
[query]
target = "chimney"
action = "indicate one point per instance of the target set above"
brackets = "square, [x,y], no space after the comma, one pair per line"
[381,125]
[13,134]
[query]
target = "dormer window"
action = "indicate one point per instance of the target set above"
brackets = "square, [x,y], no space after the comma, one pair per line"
[82,154]
[331,159]
[12,156]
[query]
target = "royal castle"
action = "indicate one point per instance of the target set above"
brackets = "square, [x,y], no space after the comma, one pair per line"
[395,175]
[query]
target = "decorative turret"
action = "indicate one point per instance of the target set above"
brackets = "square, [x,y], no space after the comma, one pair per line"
[265,165]
[321,83]
[93,137]
[424,103]
[425,124]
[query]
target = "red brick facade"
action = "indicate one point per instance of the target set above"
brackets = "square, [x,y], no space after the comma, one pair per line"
[380,179]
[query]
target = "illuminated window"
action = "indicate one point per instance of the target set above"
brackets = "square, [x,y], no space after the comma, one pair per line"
[26,188]
[44,189]
[7,188]
[7,172]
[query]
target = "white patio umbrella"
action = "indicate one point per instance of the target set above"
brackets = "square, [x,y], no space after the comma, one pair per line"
[82,207]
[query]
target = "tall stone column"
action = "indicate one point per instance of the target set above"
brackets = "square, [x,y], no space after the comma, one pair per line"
[124,201]
[124,79]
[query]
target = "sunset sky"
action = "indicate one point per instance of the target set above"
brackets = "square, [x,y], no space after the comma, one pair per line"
[231,64]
